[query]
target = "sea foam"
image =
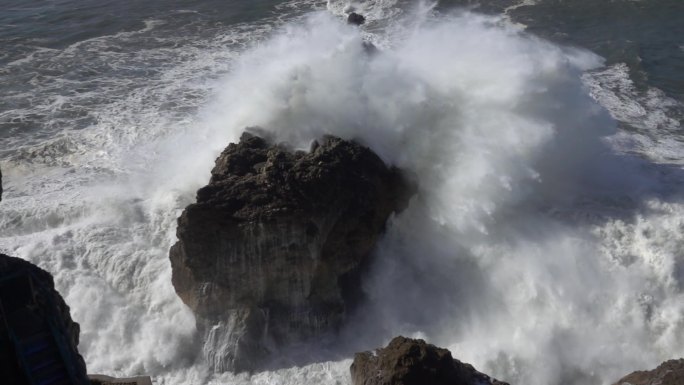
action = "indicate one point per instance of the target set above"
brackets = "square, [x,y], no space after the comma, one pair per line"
[535,249]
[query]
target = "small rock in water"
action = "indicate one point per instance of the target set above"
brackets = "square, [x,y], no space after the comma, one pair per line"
[356,19]
[407,361]
[668,373]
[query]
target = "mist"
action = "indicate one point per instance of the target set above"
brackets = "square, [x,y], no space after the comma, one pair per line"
[536,248]
[508,253]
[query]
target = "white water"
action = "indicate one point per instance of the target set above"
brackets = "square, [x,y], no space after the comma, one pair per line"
[538,249]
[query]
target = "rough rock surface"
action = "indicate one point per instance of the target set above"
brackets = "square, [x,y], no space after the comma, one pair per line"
[27,307]
[270,254]
[668,373]
[408,361]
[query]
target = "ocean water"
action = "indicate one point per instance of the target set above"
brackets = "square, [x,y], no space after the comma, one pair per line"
[545,244]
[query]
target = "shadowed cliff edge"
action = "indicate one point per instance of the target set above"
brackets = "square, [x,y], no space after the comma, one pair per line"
[38,338]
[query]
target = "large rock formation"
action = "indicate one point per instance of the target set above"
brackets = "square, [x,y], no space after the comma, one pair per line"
[38,338]
[270,254]
[668,373]
[407,361]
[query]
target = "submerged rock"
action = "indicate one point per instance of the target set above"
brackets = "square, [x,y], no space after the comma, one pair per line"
[408,361]
[270,255]
[668,373]
[38,338]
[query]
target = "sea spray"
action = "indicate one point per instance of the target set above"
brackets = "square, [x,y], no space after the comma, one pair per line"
[534,250]
[503,254]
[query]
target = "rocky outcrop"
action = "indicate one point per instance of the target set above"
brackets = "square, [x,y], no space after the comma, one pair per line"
[408,361]
[668,373]
[38,338]
[270,255]
[355,19]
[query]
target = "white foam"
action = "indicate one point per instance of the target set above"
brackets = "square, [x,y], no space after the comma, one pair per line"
[533,250]
[517,188]
[613,88]
[372,10]
[523,3]
[653,117]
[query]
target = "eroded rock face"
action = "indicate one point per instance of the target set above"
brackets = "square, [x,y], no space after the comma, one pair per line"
[668,373]
[270,254]
[36,325]
[408,361]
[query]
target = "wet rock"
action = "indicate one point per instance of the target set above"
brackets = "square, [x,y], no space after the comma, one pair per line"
[355,19]
[38,338]
[668,373]
[408,361]
[270,255]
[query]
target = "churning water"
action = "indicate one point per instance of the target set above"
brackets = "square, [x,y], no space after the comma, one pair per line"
[545,245]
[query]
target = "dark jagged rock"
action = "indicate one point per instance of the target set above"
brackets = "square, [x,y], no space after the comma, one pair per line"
[37,335]
[668,373]
[270,255]
[407,361]
[355,19]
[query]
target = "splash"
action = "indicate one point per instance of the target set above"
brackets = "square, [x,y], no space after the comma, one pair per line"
[523,252]
[535,250]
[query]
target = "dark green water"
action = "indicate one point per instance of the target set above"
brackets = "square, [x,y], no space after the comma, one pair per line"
[647,35]
[26,25]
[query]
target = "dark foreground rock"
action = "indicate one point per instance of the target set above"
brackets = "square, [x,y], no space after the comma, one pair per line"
[668,373]
[270,255]
[408,361]
[38,338]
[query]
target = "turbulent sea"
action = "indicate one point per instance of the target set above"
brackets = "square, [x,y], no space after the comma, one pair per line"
[546,244]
